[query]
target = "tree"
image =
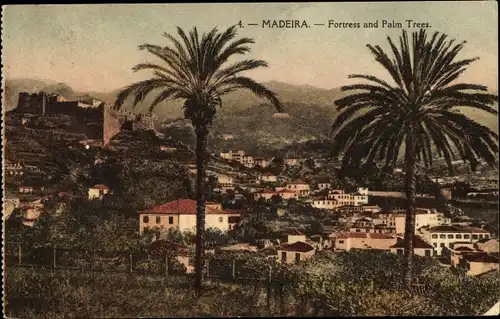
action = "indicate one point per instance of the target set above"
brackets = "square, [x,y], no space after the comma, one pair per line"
[196,71]
[419,110]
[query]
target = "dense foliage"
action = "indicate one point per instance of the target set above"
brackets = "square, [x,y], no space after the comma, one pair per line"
[358,283]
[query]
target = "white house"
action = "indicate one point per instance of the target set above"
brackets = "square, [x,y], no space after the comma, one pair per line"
[97,191]
[324,203]
[268,177]
[322,186]
[248,161]
[262,162]
[298,186]
[181,214]
[224,180]
[445,235]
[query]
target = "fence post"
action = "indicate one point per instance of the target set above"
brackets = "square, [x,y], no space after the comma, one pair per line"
[54,256]
[19,254]
[207,267]
[130,262]
[166,264]
[233,273]
[269,279]
[282,299]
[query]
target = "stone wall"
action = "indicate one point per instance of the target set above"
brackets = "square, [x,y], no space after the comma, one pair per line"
[113,120]
[32,102]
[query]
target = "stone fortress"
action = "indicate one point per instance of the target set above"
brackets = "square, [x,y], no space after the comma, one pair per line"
[113,120]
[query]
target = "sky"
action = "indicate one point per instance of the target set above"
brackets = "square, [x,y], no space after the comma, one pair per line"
[94,47]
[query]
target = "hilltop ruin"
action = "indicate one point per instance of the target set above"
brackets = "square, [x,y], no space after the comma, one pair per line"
[113,120]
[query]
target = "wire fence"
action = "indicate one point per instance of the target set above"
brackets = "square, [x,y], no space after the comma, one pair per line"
[224,270]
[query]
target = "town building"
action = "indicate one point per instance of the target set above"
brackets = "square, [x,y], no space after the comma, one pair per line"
[396,221]
[181,214]
[322,186]
[26,190]
[343,199]
[292,161]
[12,168]
[248,161]
[489,245]
[324,203]
[298,186]
[97,191]
[267,194]
[292,235]
[420,247]
[268,177]
[261,162]
[167,148]
[225,180]
[445,235]
[478,264]
[233,155]
[347,241]
[295,252]
[371,208]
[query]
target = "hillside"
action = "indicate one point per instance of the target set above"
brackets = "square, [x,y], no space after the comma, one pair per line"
[242,115]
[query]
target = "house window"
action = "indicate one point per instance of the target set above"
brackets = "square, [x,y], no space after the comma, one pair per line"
[170,220]
[486,236]
[297,257]
[158,219]
[221,219]
[283,256]
[341,241]
[435,244]
[450,236]
[400,251]
[466,236]
[458,236]
[441,245]
[434,236]
[442,236]
[474,236]
[480,236]
[358,230]
[145,219]
[428,253]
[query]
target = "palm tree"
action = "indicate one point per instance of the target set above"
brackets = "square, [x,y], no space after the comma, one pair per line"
[419,110]
[196,70]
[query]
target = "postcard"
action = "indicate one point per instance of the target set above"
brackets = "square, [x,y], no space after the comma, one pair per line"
[252,159]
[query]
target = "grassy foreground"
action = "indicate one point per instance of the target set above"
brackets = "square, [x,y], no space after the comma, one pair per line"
[347,284]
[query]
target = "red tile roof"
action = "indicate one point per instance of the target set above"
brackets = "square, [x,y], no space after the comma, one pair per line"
[418,242]
[481,258]
[267,174]
[292,231]
[364,235]
[456,229]
[298,181]
[182,207]
[268,191]
[297,246]
[351,235]
[380,236]
[100,186]
[286,191]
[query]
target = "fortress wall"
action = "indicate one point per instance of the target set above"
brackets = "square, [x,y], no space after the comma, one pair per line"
[111,125]
[32,103]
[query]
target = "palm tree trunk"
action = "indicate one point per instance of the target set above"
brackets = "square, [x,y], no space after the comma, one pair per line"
[201,162]
[410,189]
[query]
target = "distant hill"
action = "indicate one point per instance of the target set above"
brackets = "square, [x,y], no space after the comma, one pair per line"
[248,118]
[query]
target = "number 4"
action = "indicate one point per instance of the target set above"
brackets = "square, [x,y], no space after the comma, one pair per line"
[240,24]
